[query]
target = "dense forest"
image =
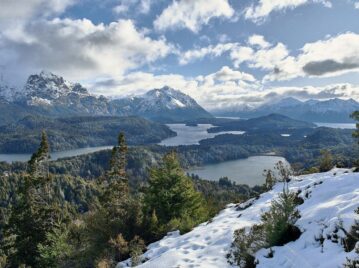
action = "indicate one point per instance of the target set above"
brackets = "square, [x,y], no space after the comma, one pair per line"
[53,220]
[79,132]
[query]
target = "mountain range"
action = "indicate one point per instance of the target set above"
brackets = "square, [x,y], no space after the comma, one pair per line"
[53,96]
[331,111]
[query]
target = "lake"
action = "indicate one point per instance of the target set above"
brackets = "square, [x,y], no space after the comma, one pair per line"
[337,125]
[54,156]
[243,171]
[191,135]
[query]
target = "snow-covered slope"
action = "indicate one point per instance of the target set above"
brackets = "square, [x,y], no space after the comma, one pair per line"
[329,198]
[163,104]
[166,97]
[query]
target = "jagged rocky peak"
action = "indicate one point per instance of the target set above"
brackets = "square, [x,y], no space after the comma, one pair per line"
[48,86]
[169,98]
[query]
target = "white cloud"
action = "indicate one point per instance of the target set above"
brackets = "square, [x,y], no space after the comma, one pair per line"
[330,57]
[258,12]
[213,51]
[24,9]
[227,74]
[192,14]
[356,5]
[79,49]
[241,54]
[258,40]
[124,6]
[121,8]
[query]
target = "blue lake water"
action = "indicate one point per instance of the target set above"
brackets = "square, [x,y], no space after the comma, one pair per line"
[54,156]
[337,125]
[243,171]
[191,135]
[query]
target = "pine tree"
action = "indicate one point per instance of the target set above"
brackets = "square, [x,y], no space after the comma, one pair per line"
[172,194]
[38,164]
[119,215]
[279,221]
[35,214]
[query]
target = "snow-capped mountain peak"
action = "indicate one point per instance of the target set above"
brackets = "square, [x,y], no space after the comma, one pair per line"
[167,97]
[49,87]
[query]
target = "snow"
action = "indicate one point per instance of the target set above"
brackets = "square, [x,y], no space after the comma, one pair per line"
[329,198]
[166,97]
[177,103]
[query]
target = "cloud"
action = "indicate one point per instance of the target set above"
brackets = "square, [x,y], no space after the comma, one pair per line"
[263,8]
[200,53]
[79,49]
[329,57]
[192,14]
[142,6]
[323,58]
[227,74]
[327,66]
[25,9]
[258,40]
[356,5]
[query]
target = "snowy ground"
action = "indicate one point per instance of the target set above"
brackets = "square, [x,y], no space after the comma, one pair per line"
[329,198]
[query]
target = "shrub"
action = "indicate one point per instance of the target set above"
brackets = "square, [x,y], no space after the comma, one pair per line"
[270,179]
[245,245]
[326,161]
[351,242]
[279,221]
[277,228]
[137,246]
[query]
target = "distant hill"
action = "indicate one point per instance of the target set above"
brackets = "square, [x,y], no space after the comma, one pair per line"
[78,132]
[329,111]
[53,96]
[272,122]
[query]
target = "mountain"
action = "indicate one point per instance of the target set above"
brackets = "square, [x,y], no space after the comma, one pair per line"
[51,95]
[330,111]
[329,202]
[272,122]
[165,105]
[79,132]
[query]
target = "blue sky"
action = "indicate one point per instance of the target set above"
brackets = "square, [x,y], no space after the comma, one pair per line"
[224,53]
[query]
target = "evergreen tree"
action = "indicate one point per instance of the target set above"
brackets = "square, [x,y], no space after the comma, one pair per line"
[326,161]
[35,214]
[119,215]
[171,194]
[38,164]
[278,222]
